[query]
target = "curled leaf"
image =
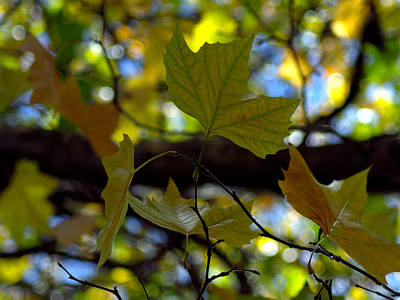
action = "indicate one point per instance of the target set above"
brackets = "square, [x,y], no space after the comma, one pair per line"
[172,212]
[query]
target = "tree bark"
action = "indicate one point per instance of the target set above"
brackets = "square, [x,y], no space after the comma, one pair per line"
[69,156]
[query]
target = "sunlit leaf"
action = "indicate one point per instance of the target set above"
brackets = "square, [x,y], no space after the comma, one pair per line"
[72,230]
[96,120]
[120,170]
[24,201]
[216,25]
[350,18]
[43,73]
[172,212]
[12,269]
[211,86]
[337,209]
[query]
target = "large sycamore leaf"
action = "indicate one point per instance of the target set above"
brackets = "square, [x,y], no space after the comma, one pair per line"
[43,73]
[172,212]
[120,170]
[24,201]
[337,209]
[96,120]
[211,86]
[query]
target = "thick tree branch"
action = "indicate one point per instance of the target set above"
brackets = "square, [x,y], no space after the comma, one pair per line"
[69,156]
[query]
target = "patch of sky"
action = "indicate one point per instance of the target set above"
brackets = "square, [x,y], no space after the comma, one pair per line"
[304,258]
[313,57]
[345,123]
[31,275]
[279,88]
[181,275]
[155,6]
[267,49]
[275,216]
[319,139]
[315,94]
[80,269]
[309,39]
[133,225]
[188,9]
[393,279]
[156,236]
[340,286]
[56,220]
[352,49]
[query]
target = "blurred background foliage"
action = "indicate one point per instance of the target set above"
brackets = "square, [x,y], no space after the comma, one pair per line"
[340,56]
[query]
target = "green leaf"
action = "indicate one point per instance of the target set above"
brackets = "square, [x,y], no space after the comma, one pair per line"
[120,170]
[24,201]
[12,84]
[211,86]
[172,212]
[337,209]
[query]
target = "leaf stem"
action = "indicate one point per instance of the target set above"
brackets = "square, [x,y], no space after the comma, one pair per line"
[172,153]
[265,233]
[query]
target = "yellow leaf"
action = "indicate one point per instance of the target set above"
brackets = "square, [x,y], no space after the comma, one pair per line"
[216,25]
[72,230]
[337,209]
[120,170]
[96,120]
[290,69]
[24,201]
[211,86]
[350,18]
[172,212]
[44,76]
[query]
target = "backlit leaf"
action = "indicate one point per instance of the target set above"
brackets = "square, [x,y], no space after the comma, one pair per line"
[43,73]
[337,209]
[24,201]
[120,170]
[211,86]
[72,230]
[172,212]
[96,120]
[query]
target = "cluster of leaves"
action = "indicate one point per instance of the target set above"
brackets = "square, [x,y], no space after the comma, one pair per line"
[210,86]
[211,82]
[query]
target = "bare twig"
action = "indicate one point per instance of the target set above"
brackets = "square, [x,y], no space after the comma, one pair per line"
[87,283]
[267,234]
[375,292]
[144,288]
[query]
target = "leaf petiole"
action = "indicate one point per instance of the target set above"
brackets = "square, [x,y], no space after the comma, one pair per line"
[172,153]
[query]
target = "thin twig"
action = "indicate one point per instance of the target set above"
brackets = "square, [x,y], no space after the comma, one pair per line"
[375,292]
[144,288]
[265,233]
[87,283]
[205,229]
